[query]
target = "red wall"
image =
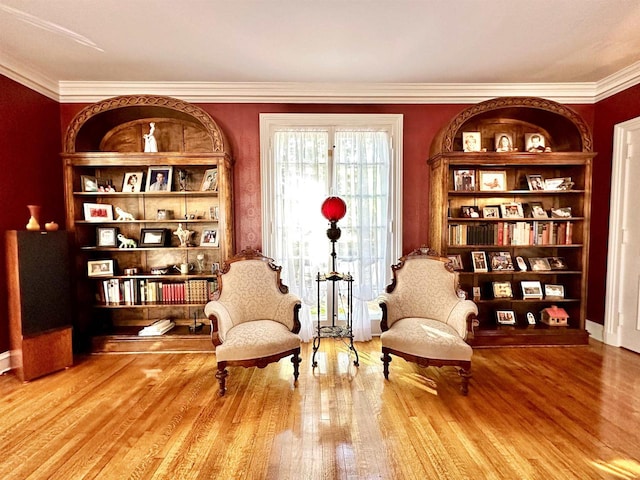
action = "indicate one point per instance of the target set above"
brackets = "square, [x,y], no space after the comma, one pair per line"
[609,112]
[32,170]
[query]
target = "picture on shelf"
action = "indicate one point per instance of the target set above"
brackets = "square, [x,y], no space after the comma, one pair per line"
[512,210]
[531,318]
[210,180]
[471,141]
[209,238]
[531,289]
[561,212]
[153,237]
[106,236]
[98,212]
[100,268]
[214,213]
[553,291]
[535,182]
[492,180]
[476,294]
[132,182]
[558,184]
[539,264]
[534,142]
[89,183]
[464,180]
[159,179]
[456,261]
[479,262]
[469,212]
[500,261]
[491,211]
[506,317]
[557,263]
[502,290]
[535,210]
[105,185]
[504,142]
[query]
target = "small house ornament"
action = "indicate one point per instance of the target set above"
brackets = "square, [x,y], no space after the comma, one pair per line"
[554,316]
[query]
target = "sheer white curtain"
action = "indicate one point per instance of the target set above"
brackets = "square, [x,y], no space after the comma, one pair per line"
[362,173]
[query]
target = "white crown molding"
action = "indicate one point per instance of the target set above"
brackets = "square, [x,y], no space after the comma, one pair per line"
[327,93]
[619,81]
[33,79]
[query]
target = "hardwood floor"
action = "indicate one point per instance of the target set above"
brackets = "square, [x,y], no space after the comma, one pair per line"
[531,413]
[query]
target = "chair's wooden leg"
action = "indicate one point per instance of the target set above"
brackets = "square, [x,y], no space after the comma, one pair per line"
[295,359]
[465,374]
[386,359]
[221,375]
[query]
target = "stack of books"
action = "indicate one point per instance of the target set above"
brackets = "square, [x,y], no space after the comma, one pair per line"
[157,328]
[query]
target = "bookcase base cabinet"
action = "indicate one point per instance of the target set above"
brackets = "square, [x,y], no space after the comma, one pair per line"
[531,335]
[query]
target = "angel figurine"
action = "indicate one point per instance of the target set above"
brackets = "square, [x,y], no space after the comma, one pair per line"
[183,235]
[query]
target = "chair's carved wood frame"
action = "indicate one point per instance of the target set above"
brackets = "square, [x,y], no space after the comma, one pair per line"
[222,373]
[464,367]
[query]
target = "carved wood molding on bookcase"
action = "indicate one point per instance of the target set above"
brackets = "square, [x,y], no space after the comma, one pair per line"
[218,138]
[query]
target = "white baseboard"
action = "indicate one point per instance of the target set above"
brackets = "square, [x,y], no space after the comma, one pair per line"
[595,330]
[5,361]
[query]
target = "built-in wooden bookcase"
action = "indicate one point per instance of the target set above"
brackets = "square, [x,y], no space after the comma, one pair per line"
[105,144]
[464,184]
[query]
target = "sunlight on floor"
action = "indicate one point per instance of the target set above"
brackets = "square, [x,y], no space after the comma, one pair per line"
[621,468]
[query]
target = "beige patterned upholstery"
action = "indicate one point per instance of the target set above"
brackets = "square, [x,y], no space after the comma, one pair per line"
[423,318]
[254,320]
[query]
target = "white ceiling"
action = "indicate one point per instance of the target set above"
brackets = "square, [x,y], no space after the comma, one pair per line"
[60,45]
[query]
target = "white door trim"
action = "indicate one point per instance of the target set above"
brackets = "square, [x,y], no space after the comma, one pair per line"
[616,209]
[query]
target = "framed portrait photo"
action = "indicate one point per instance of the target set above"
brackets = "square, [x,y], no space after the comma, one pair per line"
[534,142]
[504,142]
[106,236]
[479,262]
[500,261]
[561,212]
[98,212]
[553,291]
[560,183]
[100,268]
[159,179]
[210,180]
[153,237]
[209,238]
[535,182]
[471,141]
[531,289]
[491,211]
[506,317]
[492,180]
[557,263]
[132,182]
[512,210]
[502,290]
[464,180]
[88,183]
[456,261]
[539,264]
[469,211]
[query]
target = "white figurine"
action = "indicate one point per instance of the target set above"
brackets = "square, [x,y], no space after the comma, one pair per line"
[183,235]
[123,216]
[150,144]
[126,242]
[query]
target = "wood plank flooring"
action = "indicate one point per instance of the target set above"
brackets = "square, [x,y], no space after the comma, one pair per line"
[531,413]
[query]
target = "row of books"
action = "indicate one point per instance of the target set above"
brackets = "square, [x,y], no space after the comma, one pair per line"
[134,291]
[512,233]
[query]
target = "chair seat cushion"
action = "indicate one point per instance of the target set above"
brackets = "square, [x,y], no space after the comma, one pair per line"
[256,339]
[426,338]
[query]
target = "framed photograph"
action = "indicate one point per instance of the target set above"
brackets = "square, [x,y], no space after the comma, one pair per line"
[469,212]
[539,264]
[98,212]
[504,142]
[536,210]
[553,291]
[159,179]
[479,262]
[456,260]
[557,263]
[561,212]
[491,211]
[100,268]
[471,141]
[506,317]
[500,261]
[535,182]
[106,237]
[531,318]
[512,210]
[492,180]
[88,183]
[502,290]
[154,237]
[105,185]
[476,293]
[209,238]
[214,213]
[531,289]
[210,181]
[534,142]
[464,180]
[132,182]
[561,183]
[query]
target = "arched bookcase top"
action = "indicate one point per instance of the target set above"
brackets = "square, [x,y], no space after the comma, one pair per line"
[93,122]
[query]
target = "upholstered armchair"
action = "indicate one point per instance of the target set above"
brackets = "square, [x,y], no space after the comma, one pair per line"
[424,319]
[254,320]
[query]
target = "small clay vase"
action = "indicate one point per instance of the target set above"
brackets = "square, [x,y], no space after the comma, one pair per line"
[34,223]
